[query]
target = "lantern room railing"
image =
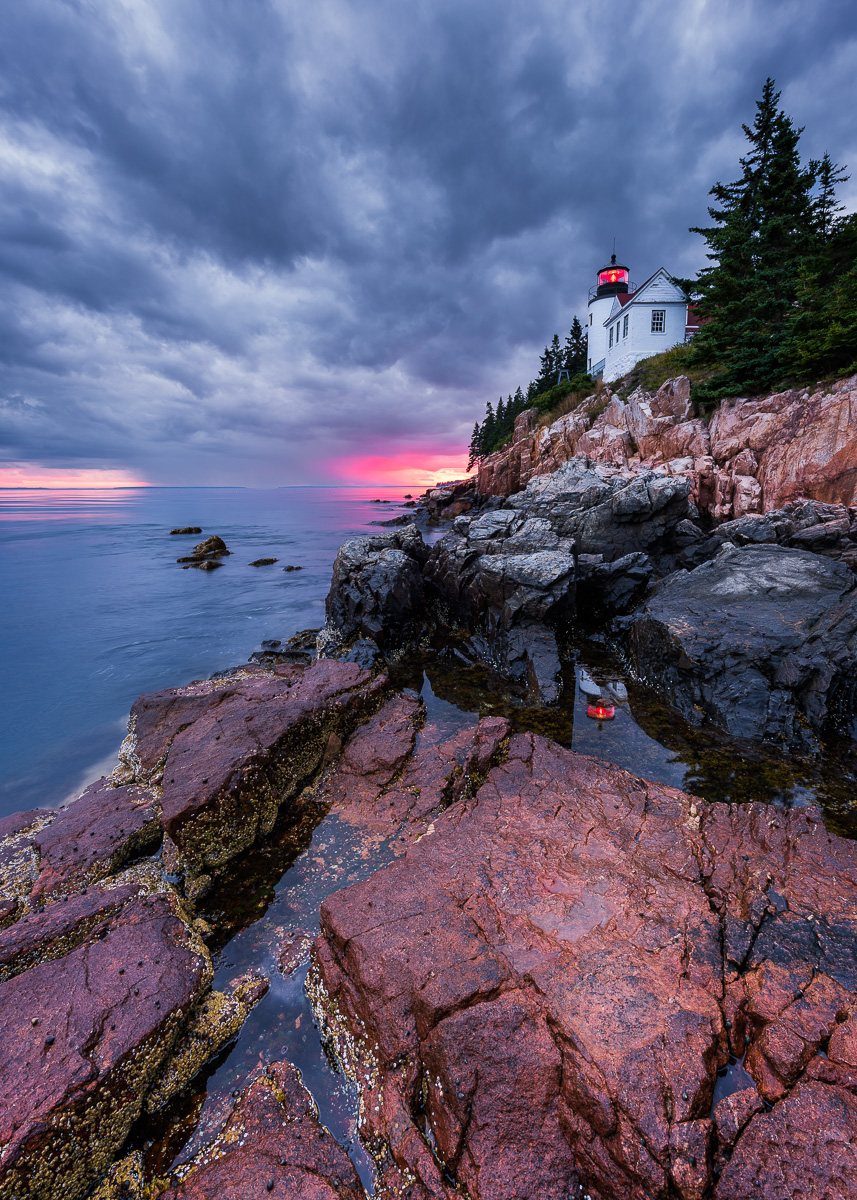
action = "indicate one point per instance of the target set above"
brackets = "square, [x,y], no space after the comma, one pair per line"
[632,287]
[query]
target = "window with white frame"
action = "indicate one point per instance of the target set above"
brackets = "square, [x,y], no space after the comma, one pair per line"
[617,333]
[659,320]
[625,327]
[611,337]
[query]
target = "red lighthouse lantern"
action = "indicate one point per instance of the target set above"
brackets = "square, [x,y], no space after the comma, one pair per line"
[613,278]
[601,711]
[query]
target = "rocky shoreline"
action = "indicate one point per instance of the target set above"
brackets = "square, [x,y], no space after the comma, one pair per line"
[549,977]
[749,623]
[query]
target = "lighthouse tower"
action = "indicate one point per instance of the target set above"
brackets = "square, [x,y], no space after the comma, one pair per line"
[613,280]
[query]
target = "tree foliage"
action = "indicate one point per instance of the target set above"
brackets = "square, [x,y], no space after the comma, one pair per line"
[543,392]
[778,297]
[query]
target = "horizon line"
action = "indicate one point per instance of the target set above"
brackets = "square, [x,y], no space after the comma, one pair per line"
[148,487]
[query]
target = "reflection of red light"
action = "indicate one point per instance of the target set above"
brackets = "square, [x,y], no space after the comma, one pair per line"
[601,712]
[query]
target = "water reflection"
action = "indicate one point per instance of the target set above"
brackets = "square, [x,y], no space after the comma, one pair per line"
[648,737]
[57,504]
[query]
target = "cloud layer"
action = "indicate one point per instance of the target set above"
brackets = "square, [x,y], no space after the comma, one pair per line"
[244,243]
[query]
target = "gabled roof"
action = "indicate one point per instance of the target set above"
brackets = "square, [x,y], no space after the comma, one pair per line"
[632,297]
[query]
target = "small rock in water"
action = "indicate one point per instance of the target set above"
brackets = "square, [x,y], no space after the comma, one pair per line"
[207,564]
[290,568]
[212,547]
[188,529]
[263,562]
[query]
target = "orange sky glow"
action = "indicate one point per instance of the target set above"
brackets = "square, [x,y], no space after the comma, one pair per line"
[409,470]
[30,475]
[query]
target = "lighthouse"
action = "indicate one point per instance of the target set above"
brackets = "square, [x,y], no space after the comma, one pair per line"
[612,281]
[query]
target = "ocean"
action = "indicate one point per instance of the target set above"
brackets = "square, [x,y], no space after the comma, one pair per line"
[95,609]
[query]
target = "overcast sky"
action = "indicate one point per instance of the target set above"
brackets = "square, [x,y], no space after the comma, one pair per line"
[274,241]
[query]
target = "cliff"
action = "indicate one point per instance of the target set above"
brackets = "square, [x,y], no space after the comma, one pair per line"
[750,457]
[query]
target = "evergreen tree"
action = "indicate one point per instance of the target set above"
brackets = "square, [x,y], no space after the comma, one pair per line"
[475,452]
[500,416]
[821,336]
[545,375]
[556,358]
[825,208]
[550,365]
[488,429]
[758,244]
[574,357]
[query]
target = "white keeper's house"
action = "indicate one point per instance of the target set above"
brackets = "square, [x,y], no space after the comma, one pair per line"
[628,323]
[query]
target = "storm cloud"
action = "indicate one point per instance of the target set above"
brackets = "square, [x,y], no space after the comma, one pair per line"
[242,242]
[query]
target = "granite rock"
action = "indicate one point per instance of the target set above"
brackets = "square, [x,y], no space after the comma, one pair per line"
[550,981]
[751,457]
[762,640]
[228,753]
[82,1039]
[376,591]
[272,1145]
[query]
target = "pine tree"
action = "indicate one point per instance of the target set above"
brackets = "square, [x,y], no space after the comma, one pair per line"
[821,336]
[475,452]
[760,238]
[556,358]
[550,364]
[825,208]
[500,416]
[488,428]
[574,357]
[545,376]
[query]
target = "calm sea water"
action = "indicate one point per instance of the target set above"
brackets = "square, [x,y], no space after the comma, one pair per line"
[96,611]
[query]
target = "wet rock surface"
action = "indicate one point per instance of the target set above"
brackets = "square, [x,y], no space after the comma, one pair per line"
[96,835]
[228,753]
[50,932]
[105,1005]
[377,588]
[539,995]
[207,551]
[761,640]
[509,574]
[388,786]
[272,1145]
[82,1037]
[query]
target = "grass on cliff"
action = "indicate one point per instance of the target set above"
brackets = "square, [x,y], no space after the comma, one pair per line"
[650,373]
[562,399]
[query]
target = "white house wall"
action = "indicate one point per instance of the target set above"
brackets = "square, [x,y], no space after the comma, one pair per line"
[640,342]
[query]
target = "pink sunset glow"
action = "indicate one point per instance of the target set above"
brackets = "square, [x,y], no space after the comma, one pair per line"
[413,470]
[29,475]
